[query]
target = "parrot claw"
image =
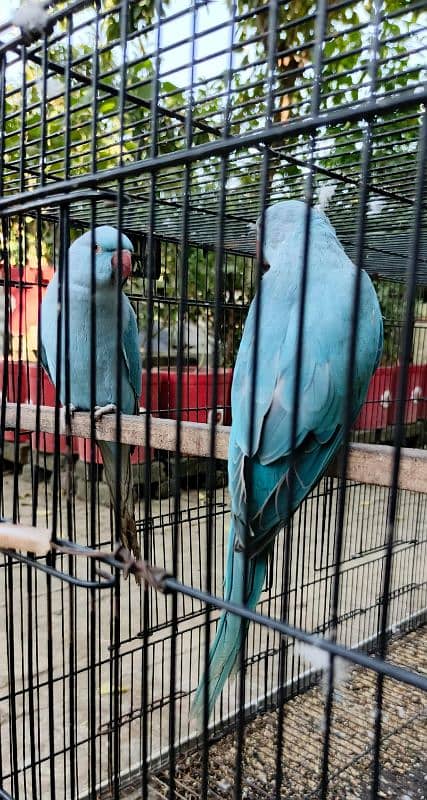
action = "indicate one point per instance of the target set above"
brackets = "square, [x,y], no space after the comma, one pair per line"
[99,411]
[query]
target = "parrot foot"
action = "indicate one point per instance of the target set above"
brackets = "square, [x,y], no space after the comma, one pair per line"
[99,411]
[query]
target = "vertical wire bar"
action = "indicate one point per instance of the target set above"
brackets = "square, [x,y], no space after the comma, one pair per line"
[264,181]
[5,259]
[30,589]
[13,730]
[182,312]
[118,493]
[340,524]
[17,382]
[320,25]
[60,331]
[211,475]
[405,352]
[34,510]
[11,672]
[4,255]
[65,238]
[92,466]
[148,365]
[93,507]
[62,351]
[21,272]
[43,142]
[39,233]
[15,510]
[271,44]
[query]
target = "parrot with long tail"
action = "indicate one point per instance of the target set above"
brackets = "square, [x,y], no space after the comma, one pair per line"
[103,245]
[267,480]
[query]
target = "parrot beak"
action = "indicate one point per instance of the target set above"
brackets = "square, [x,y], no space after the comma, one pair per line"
[264,264]
[126,261]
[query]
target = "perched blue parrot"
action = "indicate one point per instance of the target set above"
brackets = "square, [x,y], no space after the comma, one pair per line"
[106,241]
[260,471]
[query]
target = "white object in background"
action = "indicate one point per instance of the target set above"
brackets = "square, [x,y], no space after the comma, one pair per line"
[31,16]
[326,193]
[417,394]
[376,205]
[386,398]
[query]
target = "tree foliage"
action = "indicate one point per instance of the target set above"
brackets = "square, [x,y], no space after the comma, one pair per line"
[69,126]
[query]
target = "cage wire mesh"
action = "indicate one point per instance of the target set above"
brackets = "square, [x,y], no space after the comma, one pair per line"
[178,124]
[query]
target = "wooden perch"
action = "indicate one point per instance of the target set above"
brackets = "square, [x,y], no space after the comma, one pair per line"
[368,463]
[25,538]
[373,463]
[195,436]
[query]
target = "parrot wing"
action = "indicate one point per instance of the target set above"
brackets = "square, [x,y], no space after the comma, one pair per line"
[263,472]
[131,355]
[44,363]
[48,326]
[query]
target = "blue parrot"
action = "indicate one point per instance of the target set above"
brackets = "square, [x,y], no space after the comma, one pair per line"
[260,470]
[106,240]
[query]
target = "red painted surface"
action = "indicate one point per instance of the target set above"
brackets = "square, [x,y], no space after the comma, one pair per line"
[377,409]
[48,395]
[24,296]
[380,407]
[424,384]
[197,395]
[15,393]
[415,405]
[23,321]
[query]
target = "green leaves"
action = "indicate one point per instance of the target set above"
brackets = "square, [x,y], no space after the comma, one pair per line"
[108,105]
[112,29]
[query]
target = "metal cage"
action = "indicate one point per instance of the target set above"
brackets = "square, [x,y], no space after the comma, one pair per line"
[178,124]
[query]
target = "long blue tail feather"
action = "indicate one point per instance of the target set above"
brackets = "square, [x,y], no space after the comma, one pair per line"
[128,532]
[231,631]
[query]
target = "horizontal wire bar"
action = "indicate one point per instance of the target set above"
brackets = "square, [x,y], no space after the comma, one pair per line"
[220,147]
[347,180]
[282,152]
[108,195]
[160,580]
[385,668]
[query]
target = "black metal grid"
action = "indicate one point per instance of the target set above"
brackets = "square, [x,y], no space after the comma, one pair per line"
[329,99]
[400,77]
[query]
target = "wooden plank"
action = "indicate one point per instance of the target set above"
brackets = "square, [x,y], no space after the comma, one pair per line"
[24,537]
[373,463]
[368,463]
[195,436]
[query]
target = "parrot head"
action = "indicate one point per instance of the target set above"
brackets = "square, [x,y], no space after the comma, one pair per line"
[110,250]
[283,222]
